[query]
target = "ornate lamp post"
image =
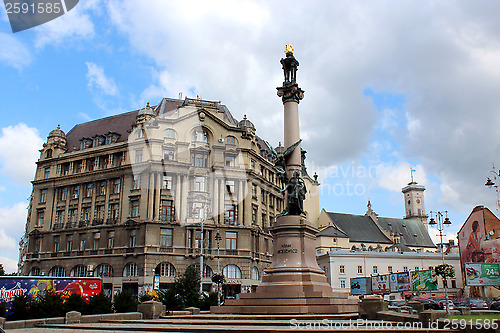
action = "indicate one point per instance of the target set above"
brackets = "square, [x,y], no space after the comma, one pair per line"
[493,183]
[442,221]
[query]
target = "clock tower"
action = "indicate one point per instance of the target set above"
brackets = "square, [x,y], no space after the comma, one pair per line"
[414,200]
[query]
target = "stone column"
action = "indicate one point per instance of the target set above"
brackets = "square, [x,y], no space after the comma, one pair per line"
[151,190]
[158,187]
[241,191]
[222,192]
[177,199]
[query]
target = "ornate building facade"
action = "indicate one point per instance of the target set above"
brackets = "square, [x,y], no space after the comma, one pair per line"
[146,192]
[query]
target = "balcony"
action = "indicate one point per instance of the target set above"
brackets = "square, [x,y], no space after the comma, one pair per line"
[97,222]
[57,226]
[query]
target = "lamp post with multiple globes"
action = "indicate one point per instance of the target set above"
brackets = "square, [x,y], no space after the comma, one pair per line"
[442,221]
[493,183]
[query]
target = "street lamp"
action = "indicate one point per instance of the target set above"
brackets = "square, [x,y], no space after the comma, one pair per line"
[218,238]
[492,183]
[442,221]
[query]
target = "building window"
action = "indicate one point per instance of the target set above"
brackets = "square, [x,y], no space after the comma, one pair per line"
[231,240]
[254,273]
[38,244]
[83,240]
[102,188]
[405,269]
[117,185]
[39,218]
[57,271]
[170,133]
[59,217]
[389,269]
[230,140]
[103,270]
[254,191]
[63,194]
[46,173]
[138,156]
[35,271]
[342,269]
[165,269]
[167,182]
[375,269]
[342,284]
[48,153]
[73,216]
[78,167]
[254,214]
[230,161]
[198,184]
[115,211]
[140,134]
[200,136]
[167,211]
[130,270]
[230,215]
[111,239]
[230,186]
[134,208]
[104,162]
[79,271]
[69,243]
[43,196]
[132,237]
[169,154]
[137,182]
[199,159]
[89,190]
[90,164]
[232,272]
[166,237]
[453,283]
[86,214]
[100,212]
[97,239]
[57,240]
[76,192]
[360,269]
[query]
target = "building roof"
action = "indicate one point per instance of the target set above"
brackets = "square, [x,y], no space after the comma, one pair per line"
[412,231]
[359,228]
[331,231]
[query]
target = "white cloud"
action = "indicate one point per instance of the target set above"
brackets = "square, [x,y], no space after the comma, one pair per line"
[74,25]
[19,147]
[12,226]
[447,235]
[97,78]
[393,176]
[14,52]
[9,264]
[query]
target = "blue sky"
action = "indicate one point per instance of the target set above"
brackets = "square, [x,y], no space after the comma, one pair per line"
[386,88]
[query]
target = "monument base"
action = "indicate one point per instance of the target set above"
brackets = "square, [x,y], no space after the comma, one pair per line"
[294,283]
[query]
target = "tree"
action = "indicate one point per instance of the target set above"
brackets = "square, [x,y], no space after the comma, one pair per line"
[20,308]
[47,305]
[75,302]
[184,292]
[100,303]
[125,301]
[2,270]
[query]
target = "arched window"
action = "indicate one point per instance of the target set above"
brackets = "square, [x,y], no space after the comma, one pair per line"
[254,274]
[165,269]
[230,140]
[200,135]
[34,271]
[207,271]
[232,272]
[48,153]
[131,269]
[170,133]
[79,271]
[57,271]
[103,270]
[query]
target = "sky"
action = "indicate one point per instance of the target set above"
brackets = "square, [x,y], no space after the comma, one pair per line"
[389,85]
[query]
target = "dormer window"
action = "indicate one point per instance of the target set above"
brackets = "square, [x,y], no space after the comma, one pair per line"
[140,134]
[200,135]
[230,140]
[48,153]
[170,133]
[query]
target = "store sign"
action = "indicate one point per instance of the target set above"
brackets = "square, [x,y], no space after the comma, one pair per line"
[482,274]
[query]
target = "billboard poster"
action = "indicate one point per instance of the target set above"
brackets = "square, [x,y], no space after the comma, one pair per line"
[482,274]
[360,286]
[380,284]
[31,286]
[399,282]
[423,280]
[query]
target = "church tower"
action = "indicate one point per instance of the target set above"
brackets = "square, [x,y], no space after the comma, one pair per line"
[414,200]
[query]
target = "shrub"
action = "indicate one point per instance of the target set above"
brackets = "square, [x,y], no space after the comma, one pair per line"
[19,308]
[100,303]
[125,301]
[75,302]
[145,298]
[209,300]
[170,298]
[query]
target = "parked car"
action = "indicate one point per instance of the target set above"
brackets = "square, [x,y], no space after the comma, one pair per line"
[477,304]
[442,304]
[429,304]
[495,305]
[397,303]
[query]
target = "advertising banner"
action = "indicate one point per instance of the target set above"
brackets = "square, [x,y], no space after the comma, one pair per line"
[380,284]
[399,282]
[360,286]
[482,274]
[31,286]
[423,281]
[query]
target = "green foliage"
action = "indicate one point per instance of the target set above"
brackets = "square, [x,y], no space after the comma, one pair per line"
[20,308]
[184,292]
[2,270]
[47,305]
[145,298]
[218,278]
[75,302]
[125,301]
[2,309]
[100,303]
[445,270]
